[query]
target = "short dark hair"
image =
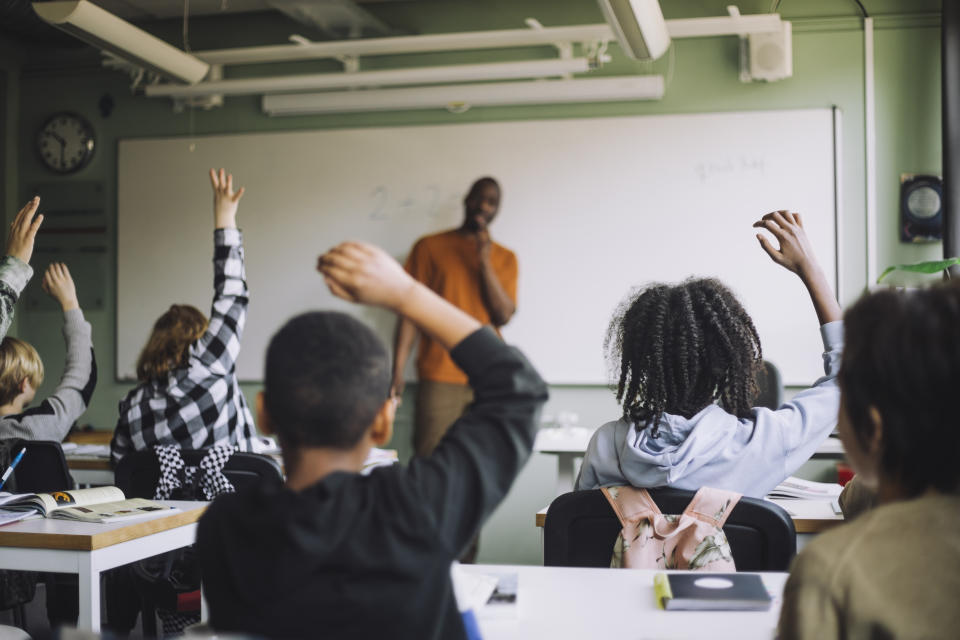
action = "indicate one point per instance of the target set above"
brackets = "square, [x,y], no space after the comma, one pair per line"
[902,356]
[327,376]
[479,184]
[678,348]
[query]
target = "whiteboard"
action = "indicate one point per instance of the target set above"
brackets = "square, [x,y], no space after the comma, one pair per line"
[592,208]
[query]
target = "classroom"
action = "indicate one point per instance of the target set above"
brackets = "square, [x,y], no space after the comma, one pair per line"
[599,194]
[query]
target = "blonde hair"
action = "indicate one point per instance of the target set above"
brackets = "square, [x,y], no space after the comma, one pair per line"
[169,345]
[19,361]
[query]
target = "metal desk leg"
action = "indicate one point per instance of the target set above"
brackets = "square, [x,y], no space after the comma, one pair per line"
[89,579]
[566,466]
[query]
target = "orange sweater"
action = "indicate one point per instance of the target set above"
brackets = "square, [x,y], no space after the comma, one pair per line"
[448,262]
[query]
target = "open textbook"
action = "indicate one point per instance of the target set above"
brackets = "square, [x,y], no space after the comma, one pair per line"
[101,504]
[794,487]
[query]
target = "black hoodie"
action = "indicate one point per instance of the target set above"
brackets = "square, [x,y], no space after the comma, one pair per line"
[369,556]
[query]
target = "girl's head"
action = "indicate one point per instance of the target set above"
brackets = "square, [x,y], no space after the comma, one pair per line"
[19,363]
[169,344]
[679,348]
[899,380]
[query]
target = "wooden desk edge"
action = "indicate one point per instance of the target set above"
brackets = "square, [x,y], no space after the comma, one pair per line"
[96,464]
[92,542]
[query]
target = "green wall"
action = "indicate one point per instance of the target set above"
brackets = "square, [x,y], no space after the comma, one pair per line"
[828,70]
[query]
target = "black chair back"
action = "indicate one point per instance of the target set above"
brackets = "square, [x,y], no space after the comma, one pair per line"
[43,468]
[771,387]
[137,473]
[581,528]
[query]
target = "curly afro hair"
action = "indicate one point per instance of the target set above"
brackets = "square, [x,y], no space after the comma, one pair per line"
[679,348]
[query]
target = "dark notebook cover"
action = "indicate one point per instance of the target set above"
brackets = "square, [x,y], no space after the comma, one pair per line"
[715,592]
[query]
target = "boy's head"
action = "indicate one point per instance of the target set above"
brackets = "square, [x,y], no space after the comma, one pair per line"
[679,348]
[327,382]
[899,380]
[168,347]
[21,371]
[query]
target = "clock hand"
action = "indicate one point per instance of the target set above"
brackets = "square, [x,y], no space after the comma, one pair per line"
[58,138]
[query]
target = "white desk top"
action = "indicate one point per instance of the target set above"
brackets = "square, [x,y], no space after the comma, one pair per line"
[560,603]
[576,439]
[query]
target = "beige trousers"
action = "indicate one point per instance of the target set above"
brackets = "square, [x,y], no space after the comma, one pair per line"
[439,404]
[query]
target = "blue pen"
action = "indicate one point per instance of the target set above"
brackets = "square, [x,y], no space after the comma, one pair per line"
[16,461]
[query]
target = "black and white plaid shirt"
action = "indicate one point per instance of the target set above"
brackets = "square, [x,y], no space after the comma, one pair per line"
[198,405]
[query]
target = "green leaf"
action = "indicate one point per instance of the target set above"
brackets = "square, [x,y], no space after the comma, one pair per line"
[930,266]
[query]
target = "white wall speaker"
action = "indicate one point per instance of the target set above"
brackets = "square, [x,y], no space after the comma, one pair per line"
[771,54]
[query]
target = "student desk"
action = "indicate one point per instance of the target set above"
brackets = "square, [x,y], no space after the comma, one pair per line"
[87,549]
[90,471]
[561,602]
[571,443]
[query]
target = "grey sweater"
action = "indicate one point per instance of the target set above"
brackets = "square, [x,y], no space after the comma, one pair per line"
[14,276]
[52,418]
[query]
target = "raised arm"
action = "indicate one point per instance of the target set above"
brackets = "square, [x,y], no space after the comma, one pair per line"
[219,346]
[15,269]
[473,467]
[811,415]
[52,418]
[796,254]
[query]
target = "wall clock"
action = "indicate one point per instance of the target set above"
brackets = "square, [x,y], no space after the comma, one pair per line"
[921,204]
[66,142]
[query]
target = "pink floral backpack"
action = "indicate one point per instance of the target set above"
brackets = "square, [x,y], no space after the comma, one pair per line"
[692,540]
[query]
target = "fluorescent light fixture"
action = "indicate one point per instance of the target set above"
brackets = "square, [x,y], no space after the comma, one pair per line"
[104,30]
[391,77]
[460,97]
[464,41]
[639,27]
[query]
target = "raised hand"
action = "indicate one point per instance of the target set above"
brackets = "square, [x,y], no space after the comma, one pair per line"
[795,252]
[225,199]
[58,283]
[23,231]
[361,272]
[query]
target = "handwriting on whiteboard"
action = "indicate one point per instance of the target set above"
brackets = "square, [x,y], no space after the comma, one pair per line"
[726,168]
[425,202]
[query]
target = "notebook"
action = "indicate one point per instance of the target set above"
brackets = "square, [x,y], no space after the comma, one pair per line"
[695,591]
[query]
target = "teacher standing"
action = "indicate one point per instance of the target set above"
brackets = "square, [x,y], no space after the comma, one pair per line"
[467,268]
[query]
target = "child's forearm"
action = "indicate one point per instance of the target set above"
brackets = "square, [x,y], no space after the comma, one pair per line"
[436,317]
[824,302]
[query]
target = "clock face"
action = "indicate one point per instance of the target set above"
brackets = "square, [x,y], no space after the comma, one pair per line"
[66,143]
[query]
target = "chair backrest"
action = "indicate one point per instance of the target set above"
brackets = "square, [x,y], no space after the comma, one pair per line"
[137,473]
[771,387]
[43,468]
[581,528]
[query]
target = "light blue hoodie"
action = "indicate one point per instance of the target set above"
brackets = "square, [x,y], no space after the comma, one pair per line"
[717,449]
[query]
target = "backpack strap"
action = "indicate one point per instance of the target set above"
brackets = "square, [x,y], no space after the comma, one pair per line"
[712,505]
[171,470]
[627,501]
[212,481]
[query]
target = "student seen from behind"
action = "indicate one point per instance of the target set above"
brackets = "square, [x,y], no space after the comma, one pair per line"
[339,554]
[894,571]
[188,393]
[688,357]
[21,372]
